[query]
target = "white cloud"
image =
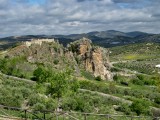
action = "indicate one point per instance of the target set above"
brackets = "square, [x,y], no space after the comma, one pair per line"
[71,16]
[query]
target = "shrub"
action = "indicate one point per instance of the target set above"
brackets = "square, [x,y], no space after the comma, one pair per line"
[125,108]
[25,92]
[114,69]
[98,78]
[39,107]
[41,74]
[35,98]
[141,77]
[124,83]
[140,107]
[69,104]
[56,61]
[115,78]
[9,66]
[144,80]
[51,104]
[157,100]
[137,81]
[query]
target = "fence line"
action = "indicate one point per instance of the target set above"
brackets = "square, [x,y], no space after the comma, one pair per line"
[67,113]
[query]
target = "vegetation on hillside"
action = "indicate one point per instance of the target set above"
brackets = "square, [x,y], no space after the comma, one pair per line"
[128,94]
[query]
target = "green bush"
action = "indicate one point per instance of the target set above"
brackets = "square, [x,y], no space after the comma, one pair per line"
[77,104]
[56,61]
[114,69]
[51,104]
[121,79]
[8,66]
[140,107]
[35,98]
[39,107]
[69,104]
[125,108]
[144,80]
[100,87]
[137,81]
[157,100]
[116,78]
[25,92]
[10,98]
[98,78]
[41,74]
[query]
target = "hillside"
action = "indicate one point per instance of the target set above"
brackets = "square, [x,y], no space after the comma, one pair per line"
[43,75]
[140,57]
[78,56]
[141,50]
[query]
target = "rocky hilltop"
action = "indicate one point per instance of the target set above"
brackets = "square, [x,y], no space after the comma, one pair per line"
[78,55]
[92,58]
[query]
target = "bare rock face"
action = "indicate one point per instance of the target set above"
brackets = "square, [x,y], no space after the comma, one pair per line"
[92,58]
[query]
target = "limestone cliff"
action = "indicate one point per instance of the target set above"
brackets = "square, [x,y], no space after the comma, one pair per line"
[92,58]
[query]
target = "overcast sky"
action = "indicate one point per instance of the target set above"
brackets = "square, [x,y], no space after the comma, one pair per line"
[23,17]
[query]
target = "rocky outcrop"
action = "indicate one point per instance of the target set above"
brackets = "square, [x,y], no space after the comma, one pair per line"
[92,58]
[81,54]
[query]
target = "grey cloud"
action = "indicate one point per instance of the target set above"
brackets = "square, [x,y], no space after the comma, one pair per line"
[126,1]
[63,17]
[80,0]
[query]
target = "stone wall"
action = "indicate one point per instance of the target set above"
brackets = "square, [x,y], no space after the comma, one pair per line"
[37,41]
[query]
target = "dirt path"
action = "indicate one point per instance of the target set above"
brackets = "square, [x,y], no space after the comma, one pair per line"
[7,118]
[108,96]
[123,61]
[125,69]
[16,78]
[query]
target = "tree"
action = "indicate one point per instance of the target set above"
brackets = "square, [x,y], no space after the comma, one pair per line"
[41,74]
[58,84]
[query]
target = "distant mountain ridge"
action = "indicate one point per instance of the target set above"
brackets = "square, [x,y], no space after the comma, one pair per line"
[107,38]
[137,33]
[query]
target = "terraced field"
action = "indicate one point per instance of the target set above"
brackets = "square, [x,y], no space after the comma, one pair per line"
[142,57]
